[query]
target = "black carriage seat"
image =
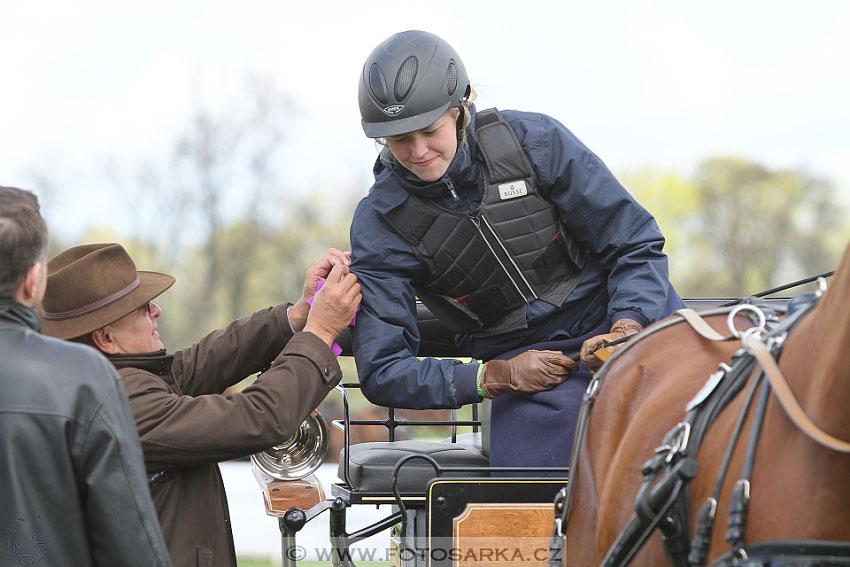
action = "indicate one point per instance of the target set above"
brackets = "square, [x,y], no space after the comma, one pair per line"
[371,464]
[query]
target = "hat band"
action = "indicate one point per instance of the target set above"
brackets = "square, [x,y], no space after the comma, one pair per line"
[91,307]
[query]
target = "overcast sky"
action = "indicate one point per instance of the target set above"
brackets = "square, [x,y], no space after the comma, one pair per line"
[654,83]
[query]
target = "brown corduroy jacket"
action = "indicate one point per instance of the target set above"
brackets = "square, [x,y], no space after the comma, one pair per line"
[186,426]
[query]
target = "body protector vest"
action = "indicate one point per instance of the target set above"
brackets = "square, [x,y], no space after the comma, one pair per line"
[486,266]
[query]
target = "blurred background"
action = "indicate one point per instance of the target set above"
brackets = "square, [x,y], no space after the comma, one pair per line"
[220,141]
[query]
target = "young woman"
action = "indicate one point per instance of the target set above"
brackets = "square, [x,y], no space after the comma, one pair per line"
[513,232]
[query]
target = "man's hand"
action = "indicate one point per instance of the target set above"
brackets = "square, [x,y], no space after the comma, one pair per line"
[298,313]
[527,373]
[619,330]
[335,305]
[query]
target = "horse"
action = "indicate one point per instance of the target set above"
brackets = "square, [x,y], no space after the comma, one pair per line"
[757,469]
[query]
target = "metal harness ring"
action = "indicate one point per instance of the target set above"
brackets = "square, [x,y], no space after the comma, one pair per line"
[730,321]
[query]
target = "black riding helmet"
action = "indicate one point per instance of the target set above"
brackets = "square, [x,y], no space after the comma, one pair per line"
[408,82]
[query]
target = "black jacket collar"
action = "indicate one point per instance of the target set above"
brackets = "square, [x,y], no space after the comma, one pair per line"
[11,310]
[158,362]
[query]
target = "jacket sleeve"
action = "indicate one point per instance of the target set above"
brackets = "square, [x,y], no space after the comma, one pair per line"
[386,338]
[121,519]
[598,211]
[229,355]
[184,430]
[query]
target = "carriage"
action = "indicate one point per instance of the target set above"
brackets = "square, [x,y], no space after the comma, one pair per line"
[636,485]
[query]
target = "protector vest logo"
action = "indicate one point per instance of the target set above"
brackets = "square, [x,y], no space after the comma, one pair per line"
[512,189]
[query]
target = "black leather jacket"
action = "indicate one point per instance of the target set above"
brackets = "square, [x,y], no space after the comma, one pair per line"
[73,489]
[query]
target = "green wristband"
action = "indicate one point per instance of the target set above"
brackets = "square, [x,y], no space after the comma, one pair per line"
[481,392]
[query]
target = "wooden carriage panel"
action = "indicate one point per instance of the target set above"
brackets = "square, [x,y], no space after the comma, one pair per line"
[281,495]
[491,522]
[493,535]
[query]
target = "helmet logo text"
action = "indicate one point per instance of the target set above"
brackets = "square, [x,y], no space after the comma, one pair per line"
[393,109]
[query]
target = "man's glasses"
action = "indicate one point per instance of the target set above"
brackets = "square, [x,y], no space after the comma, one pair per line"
[148,307]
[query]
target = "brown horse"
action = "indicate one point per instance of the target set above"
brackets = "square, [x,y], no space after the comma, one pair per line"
[798,489]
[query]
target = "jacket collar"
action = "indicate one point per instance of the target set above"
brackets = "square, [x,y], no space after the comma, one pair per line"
[13,311]
[157,362]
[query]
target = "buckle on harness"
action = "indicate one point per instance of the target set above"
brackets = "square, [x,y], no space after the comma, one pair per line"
[560,498]
[679,437]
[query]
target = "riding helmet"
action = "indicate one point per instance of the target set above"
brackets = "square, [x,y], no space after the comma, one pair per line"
[408,82]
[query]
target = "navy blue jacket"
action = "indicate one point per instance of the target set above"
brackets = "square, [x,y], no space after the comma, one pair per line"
[627,277]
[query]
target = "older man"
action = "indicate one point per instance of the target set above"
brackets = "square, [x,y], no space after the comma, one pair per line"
[96,295]
[73,489]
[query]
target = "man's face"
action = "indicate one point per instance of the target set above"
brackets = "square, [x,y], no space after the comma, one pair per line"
[136,333]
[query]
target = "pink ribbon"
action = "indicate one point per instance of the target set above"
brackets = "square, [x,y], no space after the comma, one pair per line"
[335,348]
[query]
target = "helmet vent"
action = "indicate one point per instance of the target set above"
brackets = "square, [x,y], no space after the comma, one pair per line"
[378,83]
[451,77]
[405,77]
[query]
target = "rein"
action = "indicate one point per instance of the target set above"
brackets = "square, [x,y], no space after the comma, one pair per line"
[662,502]
[787,399]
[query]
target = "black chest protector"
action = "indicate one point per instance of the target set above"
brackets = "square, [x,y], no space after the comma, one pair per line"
[486,266]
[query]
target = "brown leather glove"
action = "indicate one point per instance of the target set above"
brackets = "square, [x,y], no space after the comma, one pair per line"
[620,329]
[527,373]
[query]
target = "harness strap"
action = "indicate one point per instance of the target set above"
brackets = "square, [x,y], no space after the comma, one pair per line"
[705,522]
[655,503]
[556,540]
[703,329]
[700,326]
[787,399]
[741,494]
[801,553]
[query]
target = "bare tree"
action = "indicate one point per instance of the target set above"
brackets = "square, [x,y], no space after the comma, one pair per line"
[223,168]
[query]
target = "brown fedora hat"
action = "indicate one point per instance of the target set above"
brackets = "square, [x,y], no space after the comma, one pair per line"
[91,286]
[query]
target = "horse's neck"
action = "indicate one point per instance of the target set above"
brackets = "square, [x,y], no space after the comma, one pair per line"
[816,357]
[831,322]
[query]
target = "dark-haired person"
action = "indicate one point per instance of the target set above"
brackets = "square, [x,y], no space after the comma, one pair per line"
[73,488]
[95,295]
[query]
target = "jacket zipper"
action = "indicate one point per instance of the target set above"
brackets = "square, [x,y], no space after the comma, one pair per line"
[515,275]
[451,187]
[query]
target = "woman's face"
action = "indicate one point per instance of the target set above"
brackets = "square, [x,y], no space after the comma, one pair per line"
[427,153]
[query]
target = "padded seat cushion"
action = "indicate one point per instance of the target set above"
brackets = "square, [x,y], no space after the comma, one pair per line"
[371,465]
[472,439]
